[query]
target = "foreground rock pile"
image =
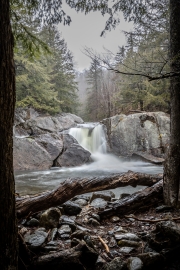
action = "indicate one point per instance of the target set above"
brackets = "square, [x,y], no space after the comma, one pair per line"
[72,236]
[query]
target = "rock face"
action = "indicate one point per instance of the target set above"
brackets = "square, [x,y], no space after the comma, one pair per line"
[137,133]
[29,122]
[39,143]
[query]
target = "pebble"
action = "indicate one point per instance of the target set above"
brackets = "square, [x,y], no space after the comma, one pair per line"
[128,243]
[36,239]
[99,203]
[115,219]
[64,229]
[127,236]
[65,220]
[112,242]
[33,222]
[126,250]
[81,202]
[93,222]
[53,234]
[134,263]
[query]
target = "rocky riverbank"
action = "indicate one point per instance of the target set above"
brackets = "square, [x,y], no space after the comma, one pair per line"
[73,236]
[42,141]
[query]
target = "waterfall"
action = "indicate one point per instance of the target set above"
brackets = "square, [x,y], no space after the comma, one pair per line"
[91,137]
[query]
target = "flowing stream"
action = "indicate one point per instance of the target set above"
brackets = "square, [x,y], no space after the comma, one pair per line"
[92,137]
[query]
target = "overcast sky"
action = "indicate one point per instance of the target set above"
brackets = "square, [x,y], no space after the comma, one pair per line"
[85,30]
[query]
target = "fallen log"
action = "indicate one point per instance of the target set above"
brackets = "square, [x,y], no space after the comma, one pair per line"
[78,257]
[72,187]
[143,199]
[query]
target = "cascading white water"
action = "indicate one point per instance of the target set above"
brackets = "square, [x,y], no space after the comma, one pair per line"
[90,137]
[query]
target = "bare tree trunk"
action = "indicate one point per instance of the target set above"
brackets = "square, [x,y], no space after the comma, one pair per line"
[172,164]
[72,187]
[8,230]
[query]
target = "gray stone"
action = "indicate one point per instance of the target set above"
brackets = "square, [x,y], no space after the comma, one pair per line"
[64,229]
[78,234]
[115,219]
[71,208]
[123,195]
[36,239]
[83,196]
[126,250]
[99,203]
[146,132]
[81,202]
[93,222]
[105,195]
[65,220]
[112,242]
[33,222]
[134,263]
[53,234]
[50,218]
[96,216]
[52,143]
[127,236]
[75,155]
[29,155]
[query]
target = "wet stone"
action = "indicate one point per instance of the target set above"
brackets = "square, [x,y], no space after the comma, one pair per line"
[64,229]
[112,242]
[33,222]
[78,234]
[99,203]
[71,208]
[83,196]
[115,219]
[65,236]
[119,229]
[128,243]
[93,222]
[126,250]
[105,195]
[127,236]
[97,217]
[65,220]
[81,202]
[53,234]
[36,239]
[134,263]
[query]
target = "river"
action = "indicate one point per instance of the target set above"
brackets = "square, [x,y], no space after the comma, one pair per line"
[92,138]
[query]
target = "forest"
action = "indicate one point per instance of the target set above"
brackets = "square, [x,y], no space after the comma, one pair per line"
[130,102]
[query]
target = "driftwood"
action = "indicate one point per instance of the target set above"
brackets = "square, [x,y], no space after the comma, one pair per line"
[135,202]
[72,187]
[74,258]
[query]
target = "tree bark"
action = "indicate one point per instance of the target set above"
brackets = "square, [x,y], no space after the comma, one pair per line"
[8,230]
[172,163]
[135,202]
[72,187]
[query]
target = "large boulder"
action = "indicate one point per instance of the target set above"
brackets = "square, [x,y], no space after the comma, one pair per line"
[36,153]
[29,155]
[140,132]
[73,154]
[30,122]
